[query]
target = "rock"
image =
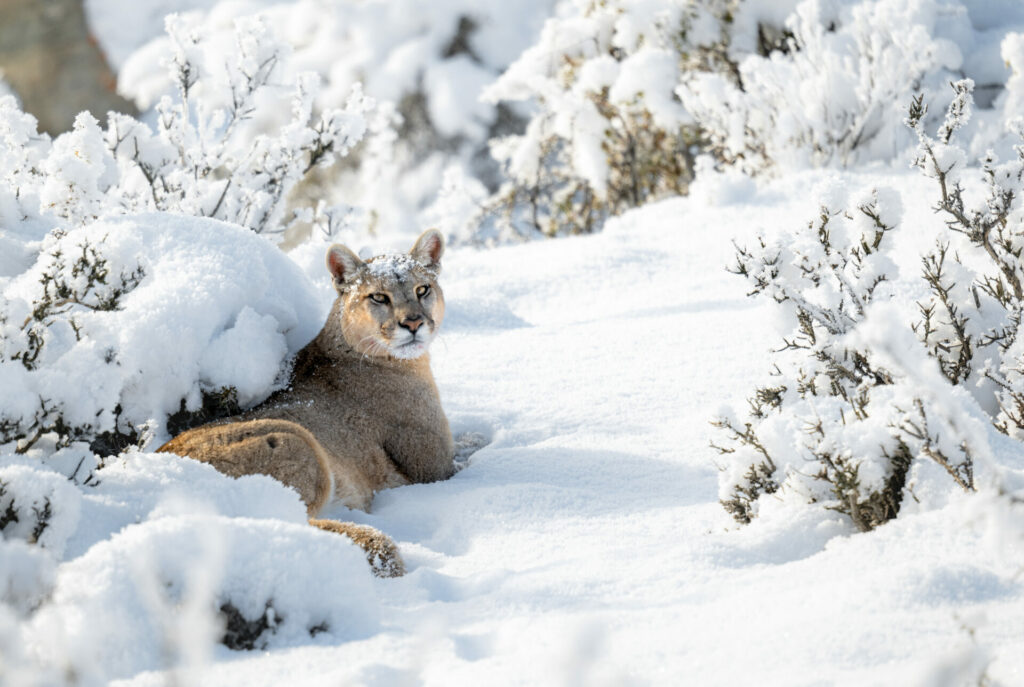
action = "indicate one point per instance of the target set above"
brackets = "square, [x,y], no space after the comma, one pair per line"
[53,64]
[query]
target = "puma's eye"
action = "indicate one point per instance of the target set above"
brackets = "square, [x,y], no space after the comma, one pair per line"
[381,298]
[422,291]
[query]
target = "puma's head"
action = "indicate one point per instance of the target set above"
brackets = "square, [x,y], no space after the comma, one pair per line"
[391,305]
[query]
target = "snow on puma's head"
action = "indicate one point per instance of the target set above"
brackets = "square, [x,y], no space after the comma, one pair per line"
[392,305]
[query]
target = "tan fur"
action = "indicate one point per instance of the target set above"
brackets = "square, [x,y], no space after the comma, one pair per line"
[381,552]
[362,412]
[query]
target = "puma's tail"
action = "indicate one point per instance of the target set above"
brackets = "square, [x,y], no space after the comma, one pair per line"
[381,551]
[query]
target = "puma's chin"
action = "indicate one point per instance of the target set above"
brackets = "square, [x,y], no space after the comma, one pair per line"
[413,348]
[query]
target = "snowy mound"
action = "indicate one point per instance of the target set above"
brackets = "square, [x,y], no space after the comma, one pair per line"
[135,487]
[150,590]
[207,305]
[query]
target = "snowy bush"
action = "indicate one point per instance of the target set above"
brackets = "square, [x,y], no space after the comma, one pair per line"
[608,133]
[124,322]
[971,324]
[853,407]
[873,390]
[626,94]
[199,162]
[37,507]
[176,580]
[832,93]
[200,158]
[25,222]
[426,65]
[68,286]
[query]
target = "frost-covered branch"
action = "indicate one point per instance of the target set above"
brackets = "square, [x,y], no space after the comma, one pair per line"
[981,301]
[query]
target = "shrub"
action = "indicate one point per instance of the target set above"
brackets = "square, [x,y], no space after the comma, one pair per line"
[125,325]
[971,323]
[199,160]
[847,415]
[870,389]
[68,286]
[831,93]
[626,95]
[37,507]
[425,65]
[608,133]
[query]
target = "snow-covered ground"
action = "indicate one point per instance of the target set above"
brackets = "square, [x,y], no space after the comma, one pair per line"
[584,543]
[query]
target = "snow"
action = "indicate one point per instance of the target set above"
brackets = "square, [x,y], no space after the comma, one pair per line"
[588,524]
[28,492]
[397,266]
[641,73]
[26,574]
[265,347]
[583,543]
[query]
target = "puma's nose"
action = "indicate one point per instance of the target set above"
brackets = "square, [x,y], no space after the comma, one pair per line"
[412,322]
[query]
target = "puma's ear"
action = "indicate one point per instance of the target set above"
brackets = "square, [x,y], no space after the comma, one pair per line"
[429,248]
[342,264]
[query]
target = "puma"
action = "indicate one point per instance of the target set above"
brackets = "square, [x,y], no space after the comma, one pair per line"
[362,412]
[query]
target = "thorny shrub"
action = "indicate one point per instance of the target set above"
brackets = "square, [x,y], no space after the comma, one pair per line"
[854,404]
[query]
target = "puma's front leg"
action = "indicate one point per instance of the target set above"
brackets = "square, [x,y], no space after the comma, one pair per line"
[423,455]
